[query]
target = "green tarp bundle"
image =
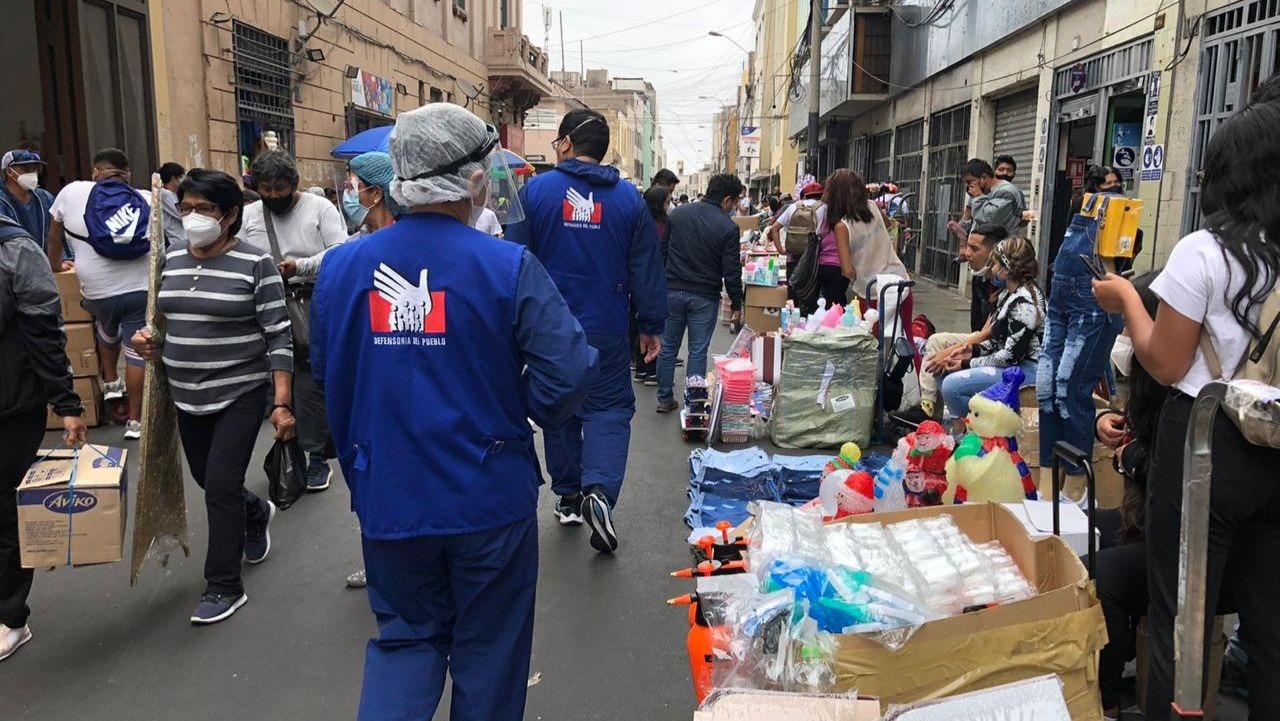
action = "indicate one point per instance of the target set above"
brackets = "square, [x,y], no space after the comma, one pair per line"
[827,393]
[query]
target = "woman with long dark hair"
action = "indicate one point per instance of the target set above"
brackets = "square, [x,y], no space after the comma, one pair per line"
[860,245]
[1214,284]
[1121,573]
[656,198]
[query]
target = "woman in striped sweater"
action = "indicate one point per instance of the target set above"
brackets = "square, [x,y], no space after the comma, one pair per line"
[227,338]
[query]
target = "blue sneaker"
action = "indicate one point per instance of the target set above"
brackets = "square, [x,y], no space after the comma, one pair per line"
[257,537]
[599,518]
[215,607]
[319,473]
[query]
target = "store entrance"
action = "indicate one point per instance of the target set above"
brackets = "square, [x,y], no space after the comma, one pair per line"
[1075,155]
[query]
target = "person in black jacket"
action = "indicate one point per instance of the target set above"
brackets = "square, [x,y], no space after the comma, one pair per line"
[701,250]
[35,373]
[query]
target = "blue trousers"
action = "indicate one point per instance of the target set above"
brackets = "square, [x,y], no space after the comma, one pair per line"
[462,604]
[696,313]
[1078,337]
[957,388]
[590,449]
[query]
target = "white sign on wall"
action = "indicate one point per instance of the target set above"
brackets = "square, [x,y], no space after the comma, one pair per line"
[749,142]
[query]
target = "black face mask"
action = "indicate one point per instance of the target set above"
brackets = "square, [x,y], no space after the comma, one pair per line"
[1006,178]
[279,206]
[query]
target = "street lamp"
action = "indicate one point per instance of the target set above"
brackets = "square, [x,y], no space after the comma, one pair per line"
[717,34]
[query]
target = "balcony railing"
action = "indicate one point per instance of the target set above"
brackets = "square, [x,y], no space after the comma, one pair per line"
[508,51]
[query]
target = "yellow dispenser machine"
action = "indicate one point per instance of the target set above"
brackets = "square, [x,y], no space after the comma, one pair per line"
[1118,219]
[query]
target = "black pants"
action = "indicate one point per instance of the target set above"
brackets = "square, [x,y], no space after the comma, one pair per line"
[218,448]
[20,436]
[1121,577]
[637,357]
[833,284]
[308,403]
[1244,554]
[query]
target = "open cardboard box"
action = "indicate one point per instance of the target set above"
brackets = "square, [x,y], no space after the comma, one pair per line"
[749,705]
[1060,631]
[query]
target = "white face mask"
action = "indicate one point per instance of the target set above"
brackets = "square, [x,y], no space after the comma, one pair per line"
[29,181]
[1122,355]
[201,230]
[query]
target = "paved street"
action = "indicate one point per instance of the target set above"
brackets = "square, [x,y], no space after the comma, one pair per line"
[606,647]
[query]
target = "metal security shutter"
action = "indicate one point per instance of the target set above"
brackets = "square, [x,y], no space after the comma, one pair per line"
[948,146]
[1016,133]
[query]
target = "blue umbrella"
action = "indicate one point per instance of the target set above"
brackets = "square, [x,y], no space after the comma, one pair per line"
[367,141]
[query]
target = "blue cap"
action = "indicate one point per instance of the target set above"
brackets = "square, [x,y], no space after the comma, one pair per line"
[20,157]
[374,168]
[1006,390]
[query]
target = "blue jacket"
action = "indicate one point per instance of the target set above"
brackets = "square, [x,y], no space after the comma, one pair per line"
[598,241]
[434,344]
[39,230]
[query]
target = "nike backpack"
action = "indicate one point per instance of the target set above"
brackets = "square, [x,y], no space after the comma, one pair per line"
[117,218]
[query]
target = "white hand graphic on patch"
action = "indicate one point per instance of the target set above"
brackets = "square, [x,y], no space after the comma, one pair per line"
[410,304]
[583,208]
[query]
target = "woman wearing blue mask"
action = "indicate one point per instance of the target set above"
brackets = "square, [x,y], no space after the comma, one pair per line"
[366,196]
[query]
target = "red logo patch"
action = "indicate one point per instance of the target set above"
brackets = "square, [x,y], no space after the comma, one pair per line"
[383,319]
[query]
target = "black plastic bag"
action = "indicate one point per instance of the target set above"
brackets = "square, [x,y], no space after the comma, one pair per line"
[286,467]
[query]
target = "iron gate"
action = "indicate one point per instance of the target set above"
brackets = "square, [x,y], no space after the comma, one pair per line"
[1241,49]
[948,146]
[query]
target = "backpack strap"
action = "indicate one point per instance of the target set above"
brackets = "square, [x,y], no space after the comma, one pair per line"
[271,234]
[1210,354]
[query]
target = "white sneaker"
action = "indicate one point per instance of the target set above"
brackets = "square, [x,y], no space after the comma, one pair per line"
[113,390]
[11,639]
[133,430]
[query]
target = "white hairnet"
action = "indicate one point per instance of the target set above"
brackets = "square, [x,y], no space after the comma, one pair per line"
[432,137]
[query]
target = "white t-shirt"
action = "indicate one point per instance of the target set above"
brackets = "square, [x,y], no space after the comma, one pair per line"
[305,233]
[487,222]
[1193,284]
[99,277]
[820,217]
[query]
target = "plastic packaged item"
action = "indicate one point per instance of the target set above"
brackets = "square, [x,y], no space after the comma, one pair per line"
[783,532]
[1039,698]
[745,704]
[813,670]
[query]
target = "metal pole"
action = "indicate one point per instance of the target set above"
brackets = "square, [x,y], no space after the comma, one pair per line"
[815,77]
[562,68]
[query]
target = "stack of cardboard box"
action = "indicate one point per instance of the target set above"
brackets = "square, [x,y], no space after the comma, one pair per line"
[81,350]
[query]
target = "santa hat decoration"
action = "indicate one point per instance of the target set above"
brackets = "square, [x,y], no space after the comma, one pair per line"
[1006,390]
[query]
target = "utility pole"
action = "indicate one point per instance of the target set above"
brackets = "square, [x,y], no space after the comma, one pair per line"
[562,68]
[815,77]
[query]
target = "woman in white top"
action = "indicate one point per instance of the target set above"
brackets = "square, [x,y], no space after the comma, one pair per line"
[1242,224]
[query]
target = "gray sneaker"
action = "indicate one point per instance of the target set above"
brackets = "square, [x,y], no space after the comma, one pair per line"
[668,406]
[215,607]
[113,390]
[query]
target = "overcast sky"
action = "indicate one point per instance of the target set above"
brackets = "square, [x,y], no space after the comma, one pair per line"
[665,42]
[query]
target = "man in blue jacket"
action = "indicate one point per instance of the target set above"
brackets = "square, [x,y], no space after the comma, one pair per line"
[22,200]
[434,344]
[597,239]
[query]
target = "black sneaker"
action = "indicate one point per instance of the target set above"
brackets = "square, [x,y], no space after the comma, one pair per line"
[668,406]
[651,380]
[599,518]
[257,537]
[679,362]
[319,473]
[215,607]
[569,510]
[638,377]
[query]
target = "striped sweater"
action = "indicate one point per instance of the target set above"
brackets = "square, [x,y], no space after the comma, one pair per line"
[227,327]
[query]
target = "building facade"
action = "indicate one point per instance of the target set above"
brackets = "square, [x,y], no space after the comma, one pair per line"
[1059,85]
[630,105]
[776,23]
[211,83]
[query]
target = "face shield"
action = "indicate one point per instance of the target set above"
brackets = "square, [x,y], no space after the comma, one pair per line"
[494,187]
[482,175]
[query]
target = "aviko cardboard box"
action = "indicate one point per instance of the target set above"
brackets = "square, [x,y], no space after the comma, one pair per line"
[81,350]
[69,293]
[72,507]
[90,392]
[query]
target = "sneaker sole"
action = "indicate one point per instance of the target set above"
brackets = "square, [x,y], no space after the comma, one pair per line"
[270,517]
[197,621]
[603,538]
[20,644]
[661,409]
[132,435]
[569,519]
[328,478]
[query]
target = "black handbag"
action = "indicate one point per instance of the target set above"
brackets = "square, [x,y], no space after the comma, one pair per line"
[297,300]
[804,277]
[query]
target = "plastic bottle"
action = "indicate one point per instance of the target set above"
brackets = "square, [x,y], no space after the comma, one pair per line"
[831,318]
[850,317]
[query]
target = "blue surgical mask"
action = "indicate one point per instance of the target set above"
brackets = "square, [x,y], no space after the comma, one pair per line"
[351,204]
[996,281]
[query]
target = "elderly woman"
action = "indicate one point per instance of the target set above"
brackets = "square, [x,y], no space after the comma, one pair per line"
[227,340]
[366,196]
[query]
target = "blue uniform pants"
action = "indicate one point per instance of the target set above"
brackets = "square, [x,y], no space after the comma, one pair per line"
[590,449]
[460,603]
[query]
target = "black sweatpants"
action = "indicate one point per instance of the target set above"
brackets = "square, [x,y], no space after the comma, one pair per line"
[637,357]
[218,448]
[312,417]
[20,436]
[833,284]
[1244,554]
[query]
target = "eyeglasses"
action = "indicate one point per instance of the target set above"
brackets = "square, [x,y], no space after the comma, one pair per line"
[555,144]
[208,209]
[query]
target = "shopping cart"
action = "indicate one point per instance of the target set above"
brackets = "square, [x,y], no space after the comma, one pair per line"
[897,353]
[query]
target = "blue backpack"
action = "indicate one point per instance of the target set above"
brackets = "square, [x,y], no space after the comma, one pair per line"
[117,218]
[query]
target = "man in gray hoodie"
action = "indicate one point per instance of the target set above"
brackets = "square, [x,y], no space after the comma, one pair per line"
[36,373]
[995,201]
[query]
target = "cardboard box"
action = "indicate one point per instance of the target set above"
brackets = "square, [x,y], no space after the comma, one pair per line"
[778,706]
[747,223]
[762,311]
[91,395]
[63,526]
[1060,631]
[762,320]
[69,292]
[761,296]
[81,350]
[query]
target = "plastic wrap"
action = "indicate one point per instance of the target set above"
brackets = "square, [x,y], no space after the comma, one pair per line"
[759,634]
[744,704]
[827,392]
[1038,699]
[783,532]
[956,573]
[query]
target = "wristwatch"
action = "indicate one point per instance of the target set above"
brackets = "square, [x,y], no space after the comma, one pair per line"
[285,406]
